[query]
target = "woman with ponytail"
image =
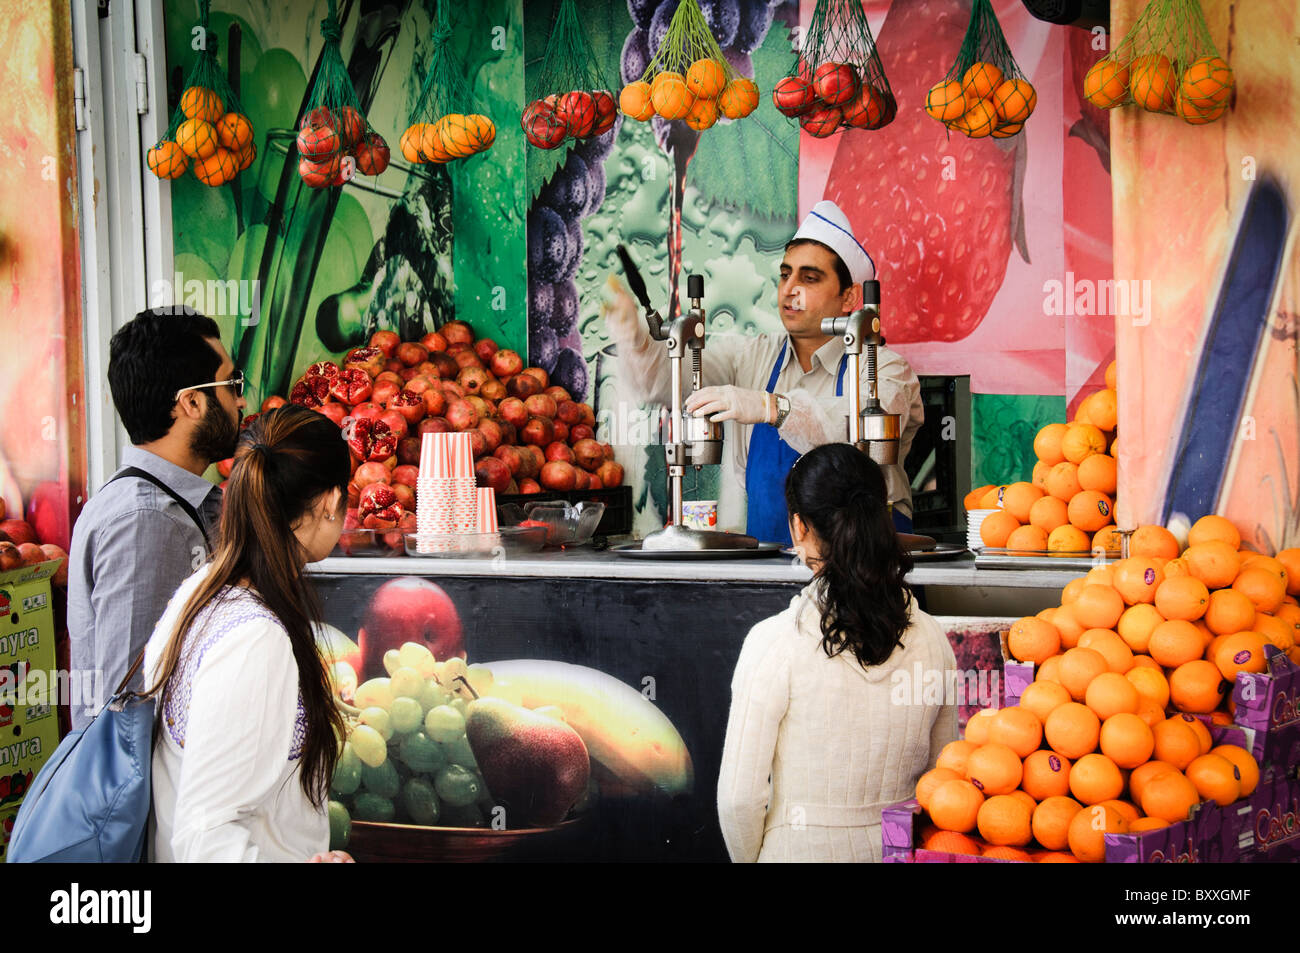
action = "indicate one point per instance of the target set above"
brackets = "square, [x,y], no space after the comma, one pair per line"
[248,732]
[830,719]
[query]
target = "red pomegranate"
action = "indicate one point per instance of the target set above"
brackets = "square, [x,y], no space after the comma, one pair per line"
[408,452]
[411,354]
[538,431]
[369,359]
[606,112]
[588,454]
[793,96]
[410,405]
[822,122]
[491,472]
[835,83]
[610,473]
[372,155]
[558,475]
[539,405]
[506,364]
[559,451]
[457,332]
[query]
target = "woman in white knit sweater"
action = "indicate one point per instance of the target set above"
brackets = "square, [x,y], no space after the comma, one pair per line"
[828,719]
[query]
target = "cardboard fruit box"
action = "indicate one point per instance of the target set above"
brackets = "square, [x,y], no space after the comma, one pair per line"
[1267,703]
[1273,822]
[1209,836]
[29,728]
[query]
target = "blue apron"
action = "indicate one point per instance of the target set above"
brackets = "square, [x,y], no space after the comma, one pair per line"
[768,463]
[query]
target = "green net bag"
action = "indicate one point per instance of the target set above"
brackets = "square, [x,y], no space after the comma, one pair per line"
[569,99]
[209,134]
[688,77]
[837,81]
[984,93]
[335,141]
[446,123]
[1167,63]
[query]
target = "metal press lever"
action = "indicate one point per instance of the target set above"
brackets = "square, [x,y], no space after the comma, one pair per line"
[871,428]
[637,284]
[693,441]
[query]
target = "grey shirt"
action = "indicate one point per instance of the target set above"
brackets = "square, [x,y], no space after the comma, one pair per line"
[132,547]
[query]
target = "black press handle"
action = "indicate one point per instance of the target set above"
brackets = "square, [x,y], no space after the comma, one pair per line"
[634,279]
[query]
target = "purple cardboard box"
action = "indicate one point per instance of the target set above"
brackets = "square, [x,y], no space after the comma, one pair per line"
[1267,704]
[1016,677]
[898,830]
[1213,835]
[1274,821]
[1175,844]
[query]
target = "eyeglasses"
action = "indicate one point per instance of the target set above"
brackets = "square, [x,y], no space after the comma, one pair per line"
[236,383]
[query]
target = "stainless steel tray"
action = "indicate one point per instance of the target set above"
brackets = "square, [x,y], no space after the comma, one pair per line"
[634,551]
[1003,559]
[941,551]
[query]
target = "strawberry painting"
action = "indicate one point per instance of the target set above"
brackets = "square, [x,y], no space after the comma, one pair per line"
[940,213]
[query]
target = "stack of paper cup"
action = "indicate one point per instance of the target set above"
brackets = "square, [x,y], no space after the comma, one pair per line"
[974,520]
[464,506]
[433,491]
[462,488]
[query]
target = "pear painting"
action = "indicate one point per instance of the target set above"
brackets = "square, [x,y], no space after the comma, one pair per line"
[536,766]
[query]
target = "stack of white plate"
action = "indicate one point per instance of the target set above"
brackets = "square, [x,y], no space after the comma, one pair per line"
[974,518]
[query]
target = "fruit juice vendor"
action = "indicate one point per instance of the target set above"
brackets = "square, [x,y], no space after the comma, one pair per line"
[784,392]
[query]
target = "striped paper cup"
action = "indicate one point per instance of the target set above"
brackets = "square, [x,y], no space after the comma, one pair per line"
[461,450]
[430,465]
[487,509]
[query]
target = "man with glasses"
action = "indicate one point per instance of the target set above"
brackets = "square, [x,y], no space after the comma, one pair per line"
[149,527]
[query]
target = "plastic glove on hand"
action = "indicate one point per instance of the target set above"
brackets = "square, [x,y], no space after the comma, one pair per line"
[729,402]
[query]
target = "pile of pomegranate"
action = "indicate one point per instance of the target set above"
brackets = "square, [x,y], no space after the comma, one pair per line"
[528,435]
[19,546]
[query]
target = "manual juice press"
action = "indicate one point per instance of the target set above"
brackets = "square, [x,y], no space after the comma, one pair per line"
[872,429]
[692,441]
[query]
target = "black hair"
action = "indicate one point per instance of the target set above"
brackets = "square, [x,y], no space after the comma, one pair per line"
[151,357]
[839,492]
[841,269]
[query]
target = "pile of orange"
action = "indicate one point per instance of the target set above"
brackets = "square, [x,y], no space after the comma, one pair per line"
[701,96]
[453,136]
[1068,505]
[1111,735]
[216,144]
[982,103]
[1198,94]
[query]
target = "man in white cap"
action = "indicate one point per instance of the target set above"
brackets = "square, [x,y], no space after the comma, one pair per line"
[784,393]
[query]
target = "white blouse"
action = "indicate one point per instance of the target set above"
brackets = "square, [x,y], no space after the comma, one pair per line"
[226,763]
[816,746]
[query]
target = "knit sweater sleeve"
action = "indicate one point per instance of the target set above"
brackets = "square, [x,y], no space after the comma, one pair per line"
[760,695]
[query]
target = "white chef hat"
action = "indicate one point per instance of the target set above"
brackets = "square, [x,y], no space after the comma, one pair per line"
[828,225]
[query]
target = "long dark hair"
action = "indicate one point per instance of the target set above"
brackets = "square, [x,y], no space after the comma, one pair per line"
[285,460]
[839,492]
